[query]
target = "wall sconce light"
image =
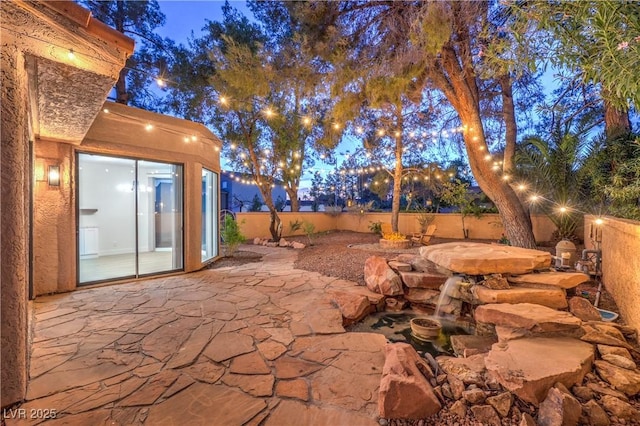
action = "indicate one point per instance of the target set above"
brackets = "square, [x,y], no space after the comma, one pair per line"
[53,176]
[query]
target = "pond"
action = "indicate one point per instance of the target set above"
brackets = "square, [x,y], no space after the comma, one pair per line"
[396,328]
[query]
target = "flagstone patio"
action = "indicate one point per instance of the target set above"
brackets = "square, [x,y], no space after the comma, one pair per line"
[229,346]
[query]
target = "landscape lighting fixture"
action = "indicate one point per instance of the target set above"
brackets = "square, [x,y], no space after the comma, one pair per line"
[53,176]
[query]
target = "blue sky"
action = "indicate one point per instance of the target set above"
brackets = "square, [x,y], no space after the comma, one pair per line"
[183,17]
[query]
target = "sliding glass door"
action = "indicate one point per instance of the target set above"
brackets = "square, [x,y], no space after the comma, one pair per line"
[129,218]
[209,215]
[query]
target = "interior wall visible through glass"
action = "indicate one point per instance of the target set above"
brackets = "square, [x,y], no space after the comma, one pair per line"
[130,215]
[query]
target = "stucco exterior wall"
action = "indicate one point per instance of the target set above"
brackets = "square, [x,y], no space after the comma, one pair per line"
[54,246]
[448,225]
[14,225]
[620,263]
[119,132]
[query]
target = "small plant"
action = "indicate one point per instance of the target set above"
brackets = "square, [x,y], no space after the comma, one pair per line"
[295,226]
[504,240]
[376,227]
[309,228]
[231,236]
[424,219]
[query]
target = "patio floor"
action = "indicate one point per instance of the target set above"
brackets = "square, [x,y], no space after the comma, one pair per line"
[255,344]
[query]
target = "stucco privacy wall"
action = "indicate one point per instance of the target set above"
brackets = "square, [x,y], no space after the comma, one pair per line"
[118,132]
[449,225]
[44,93]
[620,263]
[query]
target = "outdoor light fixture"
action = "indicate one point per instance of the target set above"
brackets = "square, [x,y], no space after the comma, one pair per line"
[53,176]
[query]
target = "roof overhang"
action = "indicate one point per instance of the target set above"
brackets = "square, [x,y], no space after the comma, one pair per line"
[66,91]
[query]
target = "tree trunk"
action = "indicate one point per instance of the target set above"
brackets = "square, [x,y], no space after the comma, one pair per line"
[515,218]
[122,97]
[293,197]
[616,121]
[274,224]
[511,128]
[397,186]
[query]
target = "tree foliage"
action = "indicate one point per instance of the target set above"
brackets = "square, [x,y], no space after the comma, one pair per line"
[138,19]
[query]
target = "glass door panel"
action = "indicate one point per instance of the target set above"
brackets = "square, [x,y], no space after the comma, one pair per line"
[106,218]
[209,214]
[159,217]
[129,218]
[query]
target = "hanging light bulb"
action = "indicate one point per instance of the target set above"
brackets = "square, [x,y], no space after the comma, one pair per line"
[148,127]
[160,82]
[223,100]
[71,54]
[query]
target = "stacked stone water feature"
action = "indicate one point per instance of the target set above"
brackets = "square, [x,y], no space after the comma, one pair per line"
[532,359]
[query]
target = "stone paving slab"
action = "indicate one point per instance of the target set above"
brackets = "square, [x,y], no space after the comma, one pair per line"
[260,343]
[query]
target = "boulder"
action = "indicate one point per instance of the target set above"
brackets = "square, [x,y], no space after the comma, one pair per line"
[421,265]
[620,361]
[474,396]
[528,316]
[422,295]
[495,282]
[459,408]
[485,259]
[380,278]
[619,408]
[394,305]
[404,392]
[298,246]
[400,266]
[353,306]
[627,381]
[583,309]
[604,390]
[595,415]
[527,420]
[257,241]
[469,370]
[529,367]
[565,280]
[486,415]
[598,337]
[283,243]
[501,403]
[613,350]
[431,281]
[559,409]
[551,297]
[583,393]
[466,345]
[456,386]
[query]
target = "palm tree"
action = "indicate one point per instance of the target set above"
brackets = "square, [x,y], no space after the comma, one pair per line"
[551,166]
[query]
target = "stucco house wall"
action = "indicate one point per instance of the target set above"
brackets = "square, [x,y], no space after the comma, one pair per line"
[45,94]
[118,132]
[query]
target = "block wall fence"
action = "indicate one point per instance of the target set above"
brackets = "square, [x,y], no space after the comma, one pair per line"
[449,225]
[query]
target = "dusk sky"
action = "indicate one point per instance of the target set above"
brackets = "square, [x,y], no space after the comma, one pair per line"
[183,17]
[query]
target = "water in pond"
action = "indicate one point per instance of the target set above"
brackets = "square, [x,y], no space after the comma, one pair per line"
[396,328]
